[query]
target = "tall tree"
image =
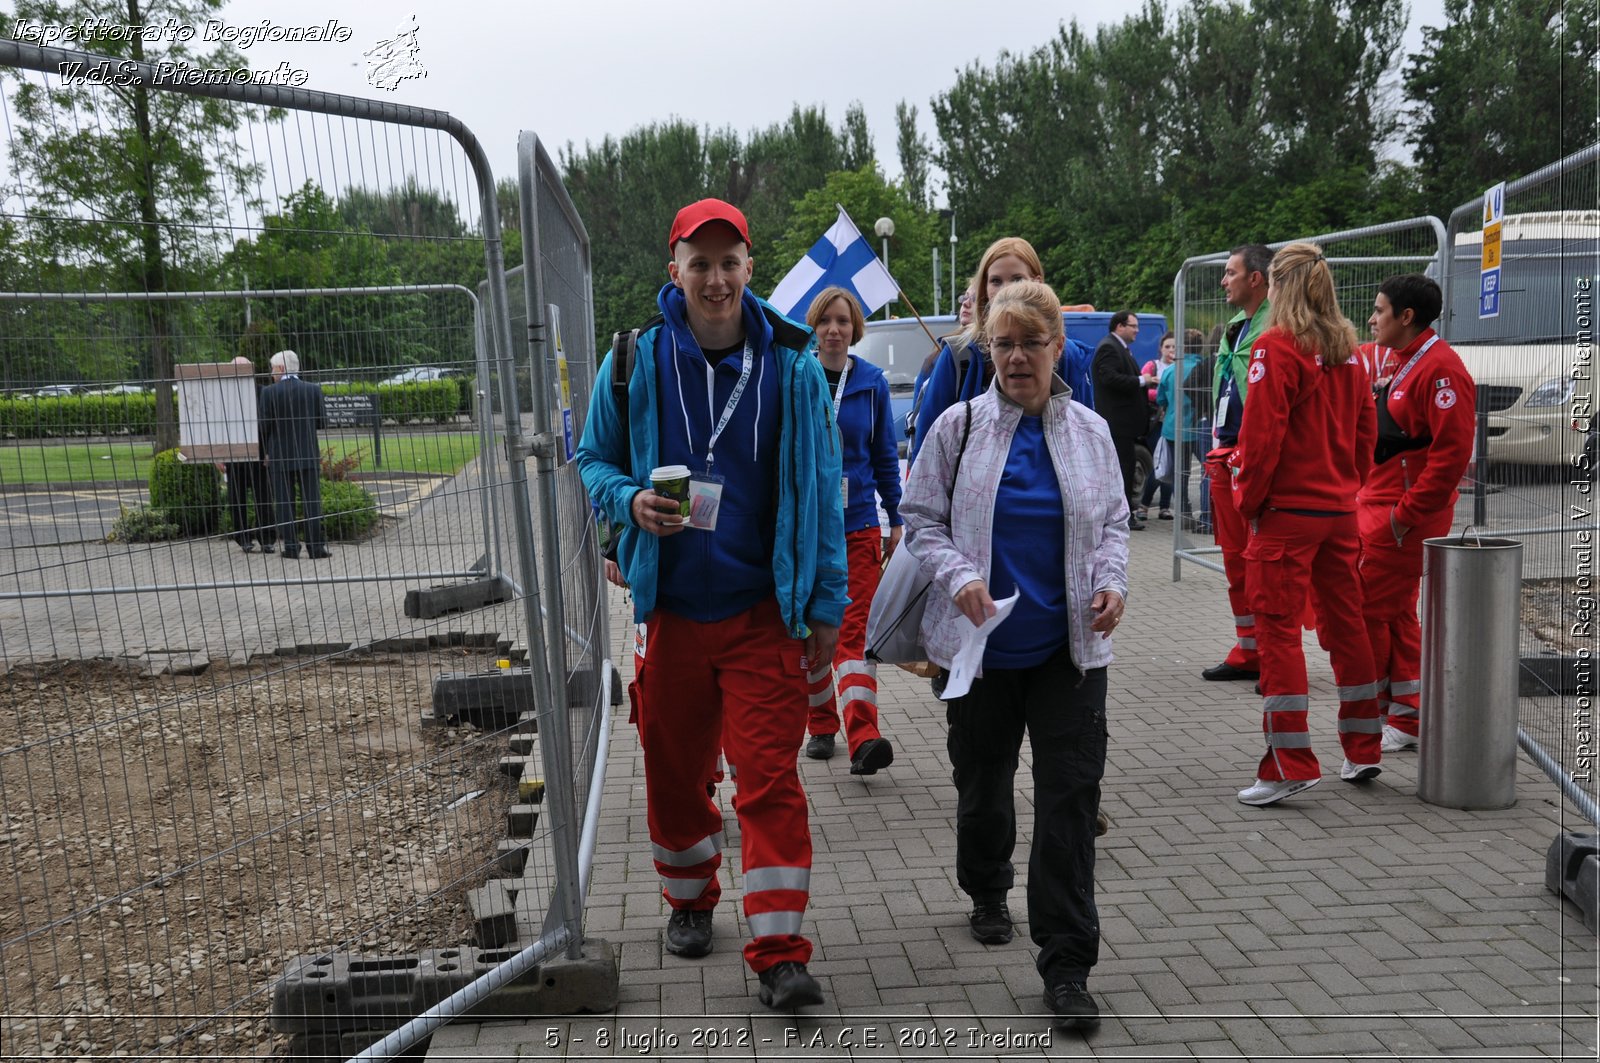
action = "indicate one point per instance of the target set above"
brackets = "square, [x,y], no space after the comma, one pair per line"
[1500,90]
[914,152]
[127,174]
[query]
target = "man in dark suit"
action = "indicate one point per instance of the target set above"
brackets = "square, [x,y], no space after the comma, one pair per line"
[291,414]
[1120,397]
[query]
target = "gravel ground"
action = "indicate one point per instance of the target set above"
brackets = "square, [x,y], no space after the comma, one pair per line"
[169,844]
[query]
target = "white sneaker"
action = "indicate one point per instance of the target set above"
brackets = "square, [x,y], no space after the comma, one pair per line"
[1352,772]
[1262,792]
[1394,740]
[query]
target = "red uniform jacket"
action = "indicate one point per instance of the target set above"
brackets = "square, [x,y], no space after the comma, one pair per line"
[1308,432]
[1437,399]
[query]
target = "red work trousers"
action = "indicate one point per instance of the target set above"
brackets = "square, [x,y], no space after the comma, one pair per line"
[1391,580]
[738,683]
[1290,554]
[857,677]
[1232,534]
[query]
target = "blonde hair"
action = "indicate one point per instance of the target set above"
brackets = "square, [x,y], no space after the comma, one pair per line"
[1013,246]
[1032,305]
[1306,306]
[858,323]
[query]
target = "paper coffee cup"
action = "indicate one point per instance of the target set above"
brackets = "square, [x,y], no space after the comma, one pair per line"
[672,481]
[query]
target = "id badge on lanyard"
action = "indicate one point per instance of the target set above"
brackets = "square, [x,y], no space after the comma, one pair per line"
[705,488]
[838,397]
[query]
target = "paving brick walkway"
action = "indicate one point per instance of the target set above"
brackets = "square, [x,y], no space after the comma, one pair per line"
[1346,923]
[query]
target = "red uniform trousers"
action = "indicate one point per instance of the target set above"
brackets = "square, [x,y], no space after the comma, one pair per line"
[1232,533]
[639,639]
[1288,555]
[1391,580]
[858,677]
[738,683]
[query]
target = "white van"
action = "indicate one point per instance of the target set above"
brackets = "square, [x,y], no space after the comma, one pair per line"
[1524,361]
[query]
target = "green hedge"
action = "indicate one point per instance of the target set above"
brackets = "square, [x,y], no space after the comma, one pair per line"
[135,415]
[422,400]
[190,493]
[78,415]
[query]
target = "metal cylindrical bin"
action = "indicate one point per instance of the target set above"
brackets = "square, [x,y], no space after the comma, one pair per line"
[1471,615]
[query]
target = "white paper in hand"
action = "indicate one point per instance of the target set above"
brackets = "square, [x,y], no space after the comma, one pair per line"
[969,657]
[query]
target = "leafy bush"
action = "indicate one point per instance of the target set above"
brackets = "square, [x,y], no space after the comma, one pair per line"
[348,511]
[189,492]
[340,468]
[142,524]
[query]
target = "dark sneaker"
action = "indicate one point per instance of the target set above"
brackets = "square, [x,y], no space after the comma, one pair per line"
[871,755]
[991,922]
[820,747]
[1224,672]
[787,986]
[1074,1008]
[1101,824]
[689,932]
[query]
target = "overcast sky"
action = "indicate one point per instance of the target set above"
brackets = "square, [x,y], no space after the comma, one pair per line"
[575,71]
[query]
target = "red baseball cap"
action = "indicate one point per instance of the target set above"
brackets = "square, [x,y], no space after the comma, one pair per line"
[691,218]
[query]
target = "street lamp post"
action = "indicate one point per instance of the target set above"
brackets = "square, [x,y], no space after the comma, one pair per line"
[884,227]
[954,294]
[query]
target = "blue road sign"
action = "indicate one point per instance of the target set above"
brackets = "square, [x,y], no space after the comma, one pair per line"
[1489,293]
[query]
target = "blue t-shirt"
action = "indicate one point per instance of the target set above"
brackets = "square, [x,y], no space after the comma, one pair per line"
[1030,549]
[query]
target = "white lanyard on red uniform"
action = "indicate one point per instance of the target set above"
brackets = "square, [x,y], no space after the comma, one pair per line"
[1412,364]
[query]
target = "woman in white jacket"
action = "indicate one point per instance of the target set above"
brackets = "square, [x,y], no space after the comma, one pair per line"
[1042,468]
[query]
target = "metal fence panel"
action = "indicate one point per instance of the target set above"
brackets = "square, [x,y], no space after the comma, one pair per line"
[213,761]
[1534,366]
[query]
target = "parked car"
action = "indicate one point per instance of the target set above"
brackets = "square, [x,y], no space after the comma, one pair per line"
[423,373]
[55,391]
[1523,361]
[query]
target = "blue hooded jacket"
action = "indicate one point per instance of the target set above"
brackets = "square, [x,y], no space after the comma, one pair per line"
[871,461]
[808,558]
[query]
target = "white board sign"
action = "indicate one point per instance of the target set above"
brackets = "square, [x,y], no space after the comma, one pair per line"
[217,417]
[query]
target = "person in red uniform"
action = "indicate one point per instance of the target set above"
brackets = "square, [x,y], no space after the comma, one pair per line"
[1427,410]
[1244,283]
[1305,448]
[860,394]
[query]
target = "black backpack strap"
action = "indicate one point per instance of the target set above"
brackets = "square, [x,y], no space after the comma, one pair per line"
[623,347]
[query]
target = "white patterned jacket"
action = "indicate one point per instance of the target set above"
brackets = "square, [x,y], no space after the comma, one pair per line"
[951,533]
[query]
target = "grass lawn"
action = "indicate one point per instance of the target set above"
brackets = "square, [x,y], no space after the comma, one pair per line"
[43,462]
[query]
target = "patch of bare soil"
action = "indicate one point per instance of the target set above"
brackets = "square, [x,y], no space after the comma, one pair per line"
[169,844]
[1550,608]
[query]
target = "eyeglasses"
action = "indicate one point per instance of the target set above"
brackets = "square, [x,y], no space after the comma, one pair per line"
[965,300]
[1003,348]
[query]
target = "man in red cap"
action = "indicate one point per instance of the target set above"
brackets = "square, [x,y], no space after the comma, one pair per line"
[736,598]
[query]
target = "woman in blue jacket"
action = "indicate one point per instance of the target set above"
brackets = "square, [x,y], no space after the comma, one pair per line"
[860,395]
[963,369]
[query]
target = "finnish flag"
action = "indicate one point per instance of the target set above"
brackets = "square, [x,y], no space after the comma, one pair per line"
[841,257]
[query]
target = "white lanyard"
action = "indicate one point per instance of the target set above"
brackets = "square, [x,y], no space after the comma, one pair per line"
[838,392]
[733,399]
[1398,377]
